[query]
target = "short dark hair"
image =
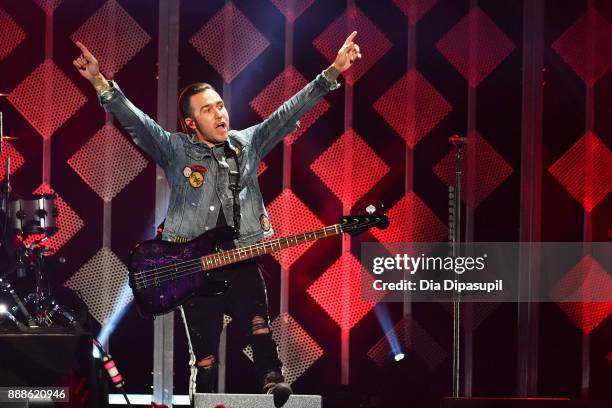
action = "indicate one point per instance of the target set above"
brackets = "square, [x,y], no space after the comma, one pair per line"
[184,99]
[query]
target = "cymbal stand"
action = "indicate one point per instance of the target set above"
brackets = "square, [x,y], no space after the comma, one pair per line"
[5,286]
[42,296]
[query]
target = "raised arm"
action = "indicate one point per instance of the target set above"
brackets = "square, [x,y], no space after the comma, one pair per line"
[284,120]
[146,133]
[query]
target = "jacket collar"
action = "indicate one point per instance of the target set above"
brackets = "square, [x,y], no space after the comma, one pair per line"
[232,144]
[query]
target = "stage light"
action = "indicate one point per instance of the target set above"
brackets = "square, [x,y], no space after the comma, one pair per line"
[399,357]
[113,320]
[3,308]
[382,314]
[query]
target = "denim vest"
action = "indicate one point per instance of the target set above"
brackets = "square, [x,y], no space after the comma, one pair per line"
[194,210]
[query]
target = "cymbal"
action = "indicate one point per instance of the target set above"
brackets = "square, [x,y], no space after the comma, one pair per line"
[3,94]
[9,138]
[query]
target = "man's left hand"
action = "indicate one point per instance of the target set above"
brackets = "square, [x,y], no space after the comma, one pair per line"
[348,54]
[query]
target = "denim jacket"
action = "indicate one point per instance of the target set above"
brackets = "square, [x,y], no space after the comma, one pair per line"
[194,210]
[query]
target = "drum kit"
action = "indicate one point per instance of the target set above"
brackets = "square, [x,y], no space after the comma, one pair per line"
[25,224]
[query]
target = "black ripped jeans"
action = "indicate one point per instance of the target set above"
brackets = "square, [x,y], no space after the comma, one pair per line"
[244,300]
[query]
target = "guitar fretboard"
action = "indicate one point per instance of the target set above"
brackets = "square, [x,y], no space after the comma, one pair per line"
[241,254]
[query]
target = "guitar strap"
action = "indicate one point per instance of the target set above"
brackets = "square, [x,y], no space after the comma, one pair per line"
[234,186]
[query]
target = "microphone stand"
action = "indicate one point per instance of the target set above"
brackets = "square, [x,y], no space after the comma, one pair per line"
[455,238]
[111,370]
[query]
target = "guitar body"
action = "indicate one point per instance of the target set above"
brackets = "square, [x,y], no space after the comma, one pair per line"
[164,274]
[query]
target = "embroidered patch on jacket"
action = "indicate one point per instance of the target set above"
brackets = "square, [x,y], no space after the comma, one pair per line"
[264,221]
[196,179]
[199,168]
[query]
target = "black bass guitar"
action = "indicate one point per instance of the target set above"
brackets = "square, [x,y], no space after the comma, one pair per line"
[164,274]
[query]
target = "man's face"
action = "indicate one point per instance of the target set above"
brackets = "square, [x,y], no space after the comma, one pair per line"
[210,118]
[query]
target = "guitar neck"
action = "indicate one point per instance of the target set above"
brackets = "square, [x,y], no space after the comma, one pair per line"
[241,254]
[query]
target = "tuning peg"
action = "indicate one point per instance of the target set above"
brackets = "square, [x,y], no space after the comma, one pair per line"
[370,209]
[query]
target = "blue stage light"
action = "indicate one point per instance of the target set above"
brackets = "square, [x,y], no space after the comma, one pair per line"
[114,319]
[382,314]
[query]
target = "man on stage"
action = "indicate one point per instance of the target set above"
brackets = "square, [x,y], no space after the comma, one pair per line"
[212,173]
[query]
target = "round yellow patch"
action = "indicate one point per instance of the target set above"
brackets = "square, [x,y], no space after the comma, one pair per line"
[196,179]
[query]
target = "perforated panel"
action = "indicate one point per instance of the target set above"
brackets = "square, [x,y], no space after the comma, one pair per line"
[296,349]
[338,291]
[28,96]
[413,338]
[586,315]
[100,283]
[17,159]
[261,168]
[107,162]
[292,9]
[479,312]
[248,351]
[490,167]
[587,46]
[12,34]
[415,9]
[113,36]
[245,42]
[585,171]
[586,279]
[226,320]
[48,6]
[488,46]
[411,221]
[412,106]
[283,87]
[350,168]
[369,38]
[68,222]
[291,216]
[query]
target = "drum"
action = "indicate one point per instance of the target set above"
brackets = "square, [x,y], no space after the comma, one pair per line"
[35,215]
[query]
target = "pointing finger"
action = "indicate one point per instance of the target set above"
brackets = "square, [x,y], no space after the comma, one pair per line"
[83,49]
[350,37]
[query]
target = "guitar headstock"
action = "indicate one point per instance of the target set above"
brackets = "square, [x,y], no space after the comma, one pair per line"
[356,224]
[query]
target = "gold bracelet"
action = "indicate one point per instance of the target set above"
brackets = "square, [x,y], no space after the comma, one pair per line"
[331,73]
[100,83]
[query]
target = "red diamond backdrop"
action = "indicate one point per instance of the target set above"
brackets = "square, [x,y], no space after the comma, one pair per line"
[407,95]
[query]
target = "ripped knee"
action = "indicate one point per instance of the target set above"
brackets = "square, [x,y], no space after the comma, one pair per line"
[259,325]
[206,362]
